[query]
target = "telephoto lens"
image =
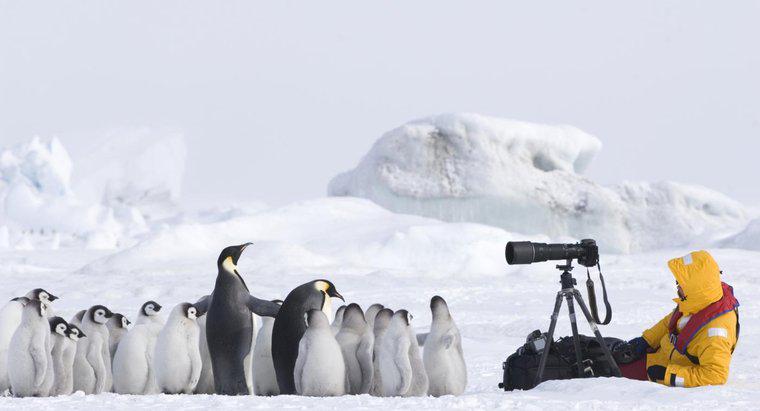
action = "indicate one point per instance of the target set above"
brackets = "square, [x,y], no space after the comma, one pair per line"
[526,252]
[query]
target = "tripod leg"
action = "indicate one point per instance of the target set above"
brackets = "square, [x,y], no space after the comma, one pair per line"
[599,338]
[549,339]
[576,339]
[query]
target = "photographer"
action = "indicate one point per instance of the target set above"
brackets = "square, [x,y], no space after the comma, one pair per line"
[691,346]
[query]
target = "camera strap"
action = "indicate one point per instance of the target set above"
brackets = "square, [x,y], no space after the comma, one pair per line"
[592,297]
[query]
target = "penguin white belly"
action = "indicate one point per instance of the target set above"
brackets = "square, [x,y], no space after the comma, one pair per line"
[176,357]
[264,378]
[323,372]
[27,361]
[10,319]
[132,366]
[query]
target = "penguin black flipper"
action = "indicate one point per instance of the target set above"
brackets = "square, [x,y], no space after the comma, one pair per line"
[203,303]
[261,307]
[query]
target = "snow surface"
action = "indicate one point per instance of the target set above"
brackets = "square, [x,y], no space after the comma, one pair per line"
[748,239]
[373,255]
[125,184]
[526,178]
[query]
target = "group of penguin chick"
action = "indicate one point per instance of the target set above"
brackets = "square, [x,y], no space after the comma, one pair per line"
[96,351]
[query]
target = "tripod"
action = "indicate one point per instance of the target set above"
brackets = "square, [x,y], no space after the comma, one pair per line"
[569,292]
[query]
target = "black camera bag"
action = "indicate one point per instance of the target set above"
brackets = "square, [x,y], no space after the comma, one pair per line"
[521,368]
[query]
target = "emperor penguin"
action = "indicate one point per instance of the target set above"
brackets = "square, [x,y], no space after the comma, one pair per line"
[177,357]
[206,380]
[230,325]
[289,327]
[443,357]
[64,376]
[44,296]
[355,342]
[133,371]
[77,318]
[319,370]
[59,337]
[264,378]
[10,319]
[92,362]
[402,371]
[338,319]
[118,325]
[28,354]
[381,322]
[371,314]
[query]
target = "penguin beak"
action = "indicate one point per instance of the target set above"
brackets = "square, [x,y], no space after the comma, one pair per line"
[82,335]
[239,252]
[157,307]
[51,297]
[198,311]
[334,293]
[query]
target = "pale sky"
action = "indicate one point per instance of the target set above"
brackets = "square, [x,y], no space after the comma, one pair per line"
[275,98]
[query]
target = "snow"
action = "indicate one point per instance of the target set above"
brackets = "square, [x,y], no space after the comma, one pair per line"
[373,255]
[527,178]
[748,239]
[132,179]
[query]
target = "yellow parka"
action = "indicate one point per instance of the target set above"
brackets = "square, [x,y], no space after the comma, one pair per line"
[711,347]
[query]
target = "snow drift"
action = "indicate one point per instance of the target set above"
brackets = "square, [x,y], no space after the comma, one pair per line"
[748,239]
[526,178]
[124,184]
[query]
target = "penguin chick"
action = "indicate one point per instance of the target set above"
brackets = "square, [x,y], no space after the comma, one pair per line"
[289,327]
[177,358]
[10,319]
[443,356]
[319,370]
[206,380]
[133,371]
[355,342]
[44,296]
[28,355]
[401,368]
[117,326]
[77,318]
[338,320]
[371,313]
[264,378]
[381,322]
[92,362]
[59,330]
[64,374]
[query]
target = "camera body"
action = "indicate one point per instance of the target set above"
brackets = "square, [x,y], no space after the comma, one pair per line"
[525,252]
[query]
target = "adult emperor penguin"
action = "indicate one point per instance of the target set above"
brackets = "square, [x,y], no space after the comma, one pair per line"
[64,376]
[28,355]
[59,337]
[401,369]
[381,323]
[229,325]
[264,378]
[177,357]
[355,341]
[92,362]
[10,318]
[319,370]
[338,320]
[289,327]
[133,370]
[443,357]
[117,328]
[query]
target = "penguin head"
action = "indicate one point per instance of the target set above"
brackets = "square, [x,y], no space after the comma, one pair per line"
[439,308]
[326,287]
[315,318]
[58,326]
[403,316]
[353,317]
[150,308]
[120,320]
[36,307]
[229,257]
[75,333]
[42,295]
[382,319]
[21,300]
[191,311]
[100,314]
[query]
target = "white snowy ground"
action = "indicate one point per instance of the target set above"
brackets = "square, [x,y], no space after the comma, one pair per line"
[373,255]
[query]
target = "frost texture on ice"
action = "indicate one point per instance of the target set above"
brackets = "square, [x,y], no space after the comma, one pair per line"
[131,179]
[526,178]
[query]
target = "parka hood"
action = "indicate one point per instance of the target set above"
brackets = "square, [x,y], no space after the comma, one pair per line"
[699,277]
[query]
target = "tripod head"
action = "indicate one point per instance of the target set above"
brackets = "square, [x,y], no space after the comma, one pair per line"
[566,278]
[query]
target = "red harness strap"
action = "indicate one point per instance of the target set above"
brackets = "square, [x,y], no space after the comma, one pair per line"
[682,339]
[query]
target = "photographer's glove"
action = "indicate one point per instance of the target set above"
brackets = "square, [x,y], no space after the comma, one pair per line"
[656,373]
[639,346]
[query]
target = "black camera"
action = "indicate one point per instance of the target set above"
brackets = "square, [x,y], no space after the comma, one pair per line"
[526,252]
